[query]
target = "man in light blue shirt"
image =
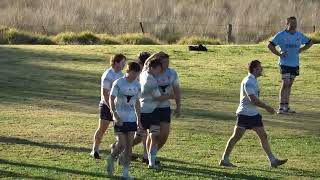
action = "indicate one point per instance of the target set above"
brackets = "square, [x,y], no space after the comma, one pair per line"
[290,42]
[248,116]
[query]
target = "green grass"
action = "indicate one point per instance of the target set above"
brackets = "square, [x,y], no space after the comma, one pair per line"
[48,114]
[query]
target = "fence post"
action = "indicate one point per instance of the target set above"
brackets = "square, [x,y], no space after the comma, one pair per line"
[44,30]
[141,26]
[229,34]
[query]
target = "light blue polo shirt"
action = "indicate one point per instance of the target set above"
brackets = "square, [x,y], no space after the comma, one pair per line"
[291,44]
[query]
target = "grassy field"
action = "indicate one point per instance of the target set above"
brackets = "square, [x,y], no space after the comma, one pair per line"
[49,111]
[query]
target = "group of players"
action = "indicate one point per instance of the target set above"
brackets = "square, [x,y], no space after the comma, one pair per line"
[138,102]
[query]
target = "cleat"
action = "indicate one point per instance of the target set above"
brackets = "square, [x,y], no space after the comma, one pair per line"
[278,162]
[226,164]
[95,155]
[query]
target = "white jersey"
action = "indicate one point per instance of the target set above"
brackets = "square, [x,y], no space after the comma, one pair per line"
[126,93]
[149,90]
[249,86]
[166,81]
[107,78]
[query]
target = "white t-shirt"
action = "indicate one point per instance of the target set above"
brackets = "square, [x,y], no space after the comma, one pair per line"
[249,86]
[126,93]
[166,81]
[149,90]
[107,78]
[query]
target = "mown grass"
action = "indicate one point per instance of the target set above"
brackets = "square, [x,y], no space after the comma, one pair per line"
[48,114]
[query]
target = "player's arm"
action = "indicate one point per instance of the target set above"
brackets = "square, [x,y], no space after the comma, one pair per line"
[256,101]
[305,47]
[106,94]
[177,97]
[113,109]
[113,93]
[273,49]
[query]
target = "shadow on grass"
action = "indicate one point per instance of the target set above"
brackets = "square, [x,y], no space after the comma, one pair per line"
[30,83]
[15,140]
[7,174]
[207,173]
[56,169]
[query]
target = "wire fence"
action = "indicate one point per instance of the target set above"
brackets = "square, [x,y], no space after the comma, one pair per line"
[168,31]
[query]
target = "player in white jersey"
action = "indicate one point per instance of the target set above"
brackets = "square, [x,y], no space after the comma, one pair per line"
[125,107]
[248,116]
[150,97]
[141,135]
[290,42]
[168,83]
[113,73]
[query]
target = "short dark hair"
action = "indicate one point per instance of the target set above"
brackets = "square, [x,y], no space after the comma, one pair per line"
[155,62]
[253,64]
[291,18]
[116,59]
[143,56]
[133,66]
[162,55]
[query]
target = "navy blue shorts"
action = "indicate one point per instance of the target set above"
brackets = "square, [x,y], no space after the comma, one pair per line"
[149,119]
[288,72]
[249,122]
[105,113]
[126,127]
[164,114]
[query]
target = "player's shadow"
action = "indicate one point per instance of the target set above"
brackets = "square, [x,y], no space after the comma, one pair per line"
[20,141]
[206,173]
[52,168]
[4,173]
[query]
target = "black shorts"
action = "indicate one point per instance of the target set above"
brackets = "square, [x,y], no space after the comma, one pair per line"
[126,127]
[105,113]
[288,72]
[149,119]
[249,122]
[164,114]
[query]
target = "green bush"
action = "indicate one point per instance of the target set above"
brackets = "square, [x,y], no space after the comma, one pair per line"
[87,38]
[13,36]
[199,40]
[66,38]
[107,39]
[76,38]
[138,39]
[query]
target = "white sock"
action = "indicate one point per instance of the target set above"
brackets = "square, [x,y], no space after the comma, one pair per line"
[125,171]
[95,149]
[152,156]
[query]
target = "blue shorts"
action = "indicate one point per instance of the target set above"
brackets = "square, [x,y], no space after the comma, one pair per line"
[126,127]
[150,119]
[164,114]
[105,113]
[249,122]
[288,72]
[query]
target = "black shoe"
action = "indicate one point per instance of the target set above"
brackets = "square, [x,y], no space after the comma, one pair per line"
[145,160]
[95,155]
[278,162]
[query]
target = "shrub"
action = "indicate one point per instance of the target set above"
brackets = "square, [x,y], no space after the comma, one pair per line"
[138,39]
[107,39]
[199,40]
